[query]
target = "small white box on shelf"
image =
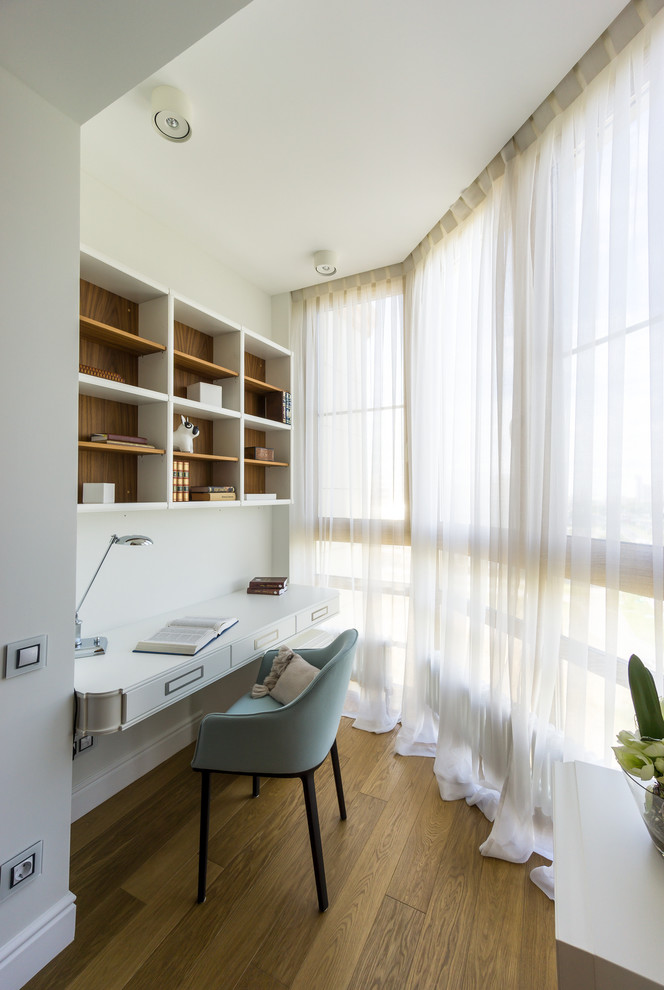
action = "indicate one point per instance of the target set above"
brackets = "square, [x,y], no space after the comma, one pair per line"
[96,491]
[204,392]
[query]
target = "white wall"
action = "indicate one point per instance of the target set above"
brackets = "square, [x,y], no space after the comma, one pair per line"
[113,226]
[39,206]
[197,554]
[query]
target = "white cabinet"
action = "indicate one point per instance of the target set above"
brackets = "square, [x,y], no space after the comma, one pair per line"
[609,884]
[142,345]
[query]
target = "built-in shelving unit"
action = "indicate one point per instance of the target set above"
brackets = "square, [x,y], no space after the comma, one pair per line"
[142,347]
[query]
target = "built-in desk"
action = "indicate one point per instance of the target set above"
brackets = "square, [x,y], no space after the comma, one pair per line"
[120,688]
[609,884]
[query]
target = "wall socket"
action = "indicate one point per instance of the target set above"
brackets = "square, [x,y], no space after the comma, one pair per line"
[21,869]
[83,744]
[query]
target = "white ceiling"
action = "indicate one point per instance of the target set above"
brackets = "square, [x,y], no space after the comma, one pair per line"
[82,54]
[350,125]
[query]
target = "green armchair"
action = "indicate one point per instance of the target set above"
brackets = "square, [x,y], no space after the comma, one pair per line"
[261,738]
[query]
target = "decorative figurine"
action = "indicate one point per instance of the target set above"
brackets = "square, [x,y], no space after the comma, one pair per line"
[183,437]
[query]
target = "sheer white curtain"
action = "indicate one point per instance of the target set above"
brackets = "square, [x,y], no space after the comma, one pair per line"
[535,343]
[347,518]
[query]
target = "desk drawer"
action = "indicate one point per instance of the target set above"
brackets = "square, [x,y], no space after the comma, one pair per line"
[262,641]
[316,613]
[190,676]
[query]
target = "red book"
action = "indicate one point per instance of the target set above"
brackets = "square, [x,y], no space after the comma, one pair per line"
[268,582]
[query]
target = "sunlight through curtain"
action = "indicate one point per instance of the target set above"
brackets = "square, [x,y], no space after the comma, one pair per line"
[479,461]
[535,334]
[347,522]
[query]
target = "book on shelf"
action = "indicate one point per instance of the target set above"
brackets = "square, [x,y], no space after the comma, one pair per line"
[119,438]
[278,407]
[267,591]
[187,635]
[180,481]
[212,488]
[211,496]
[259,453]
[259,496]
[112,376]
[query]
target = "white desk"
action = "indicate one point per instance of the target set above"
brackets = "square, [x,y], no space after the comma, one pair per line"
[120,688]
[609,883]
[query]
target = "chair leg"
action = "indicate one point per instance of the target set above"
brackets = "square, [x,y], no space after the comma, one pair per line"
[203,843]
[334,753]
[314,837]
[257,786]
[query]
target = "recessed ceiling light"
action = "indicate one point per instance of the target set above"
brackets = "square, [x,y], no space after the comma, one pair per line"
[326,262]
[170,113]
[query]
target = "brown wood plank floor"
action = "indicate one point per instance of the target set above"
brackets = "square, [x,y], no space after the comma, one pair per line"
[413,904]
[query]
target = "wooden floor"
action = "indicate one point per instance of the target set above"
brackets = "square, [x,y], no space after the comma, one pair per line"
[413,904]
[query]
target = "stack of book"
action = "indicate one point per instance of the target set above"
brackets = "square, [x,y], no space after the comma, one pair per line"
[212,493]
[278,407]
[120,440]
[267,586]
[180,481]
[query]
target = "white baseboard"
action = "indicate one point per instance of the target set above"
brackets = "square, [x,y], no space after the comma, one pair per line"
[34,947]
[112,779]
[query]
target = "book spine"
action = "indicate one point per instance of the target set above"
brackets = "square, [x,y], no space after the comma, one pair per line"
[120,438]
[112,376]
[212,488]
[265,591]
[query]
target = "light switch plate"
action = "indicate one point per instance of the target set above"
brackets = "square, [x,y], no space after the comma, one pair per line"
[25,655]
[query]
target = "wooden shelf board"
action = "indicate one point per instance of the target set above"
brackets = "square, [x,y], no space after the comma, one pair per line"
[259,388]
[94,330]
[114,448]
[191,363]
[177,454]
[250,460]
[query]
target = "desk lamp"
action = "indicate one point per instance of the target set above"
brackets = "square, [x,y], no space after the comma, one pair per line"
[97,644]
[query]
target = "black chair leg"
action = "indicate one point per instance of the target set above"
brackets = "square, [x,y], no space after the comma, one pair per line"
[257,786]
[203,843]
[334,753]
[314,837]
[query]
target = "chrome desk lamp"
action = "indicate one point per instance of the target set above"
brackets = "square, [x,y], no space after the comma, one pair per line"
[94,645]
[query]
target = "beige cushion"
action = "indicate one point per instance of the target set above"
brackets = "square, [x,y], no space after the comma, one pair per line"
[300,674]
[297,675]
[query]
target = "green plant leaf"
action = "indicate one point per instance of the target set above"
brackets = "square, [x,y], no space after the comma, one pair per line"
[646,702]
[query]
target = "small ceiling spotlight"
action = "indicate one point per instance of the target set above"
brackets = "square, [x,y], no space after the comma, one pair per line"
[326,262]
[170,113]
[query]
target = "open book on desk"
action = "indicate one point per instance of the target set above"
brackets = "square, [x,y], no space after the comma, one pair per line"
[187,635]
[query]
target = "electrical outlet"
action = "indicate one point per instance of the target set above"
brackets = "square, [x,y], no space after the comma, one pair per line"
[85,742]
[20,869]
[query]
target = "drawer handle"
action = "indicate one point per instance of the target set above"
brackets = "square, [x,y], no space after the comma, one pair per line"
[320,612]
[265,640]
[184,680]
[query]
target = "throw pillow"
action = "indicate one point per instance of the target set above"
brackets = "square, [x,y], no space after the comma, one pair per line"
[300,676]
[297,675]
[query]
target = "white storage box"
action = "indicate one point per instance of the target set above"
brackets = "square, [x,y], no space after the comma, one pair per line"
[204,392]
[96,491]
